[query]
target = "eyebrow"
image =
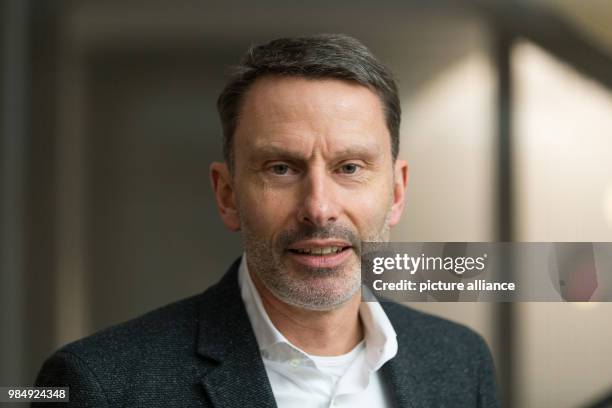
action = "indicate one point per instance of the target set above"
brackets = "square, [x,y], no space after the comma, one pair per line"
[366,152]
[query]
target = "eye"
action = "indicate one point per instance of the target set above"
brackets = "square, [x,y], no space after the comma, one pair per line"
[349,168]
[279,169]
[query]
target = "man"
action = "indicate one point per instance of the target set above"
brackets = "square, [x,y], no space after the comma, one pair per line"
[311,138]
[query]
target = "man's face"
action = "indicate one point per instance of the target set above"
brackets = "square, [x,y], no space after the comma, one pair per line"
[313,178]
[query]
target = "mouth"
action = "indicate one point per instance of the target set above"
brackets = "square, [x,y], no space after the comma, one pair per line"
[319,251]
[320,254]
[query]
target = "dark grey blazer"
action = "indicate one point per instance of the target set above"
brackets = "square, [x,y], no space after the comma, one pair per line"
[201,351]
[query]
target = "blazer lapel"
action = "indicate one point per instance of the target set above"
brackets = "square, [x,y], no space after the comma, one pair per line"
[238,378]
[402,372]
[402,385]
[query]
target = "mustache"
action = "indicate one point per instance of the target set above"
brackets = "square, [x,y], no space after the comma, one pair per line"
[331,231]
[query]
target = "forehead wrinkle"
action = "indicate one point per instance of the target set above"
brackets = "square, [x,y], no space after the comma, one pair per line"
[304,118]
[369,152]
[304,133]
[292,140]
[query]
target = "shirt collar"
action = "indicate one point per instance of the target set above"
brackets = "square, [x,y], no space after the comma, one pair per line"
[380,337]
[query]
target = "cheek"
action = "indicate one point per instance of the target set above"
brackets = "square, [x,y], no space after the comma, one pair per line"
[369,208]
[264,208]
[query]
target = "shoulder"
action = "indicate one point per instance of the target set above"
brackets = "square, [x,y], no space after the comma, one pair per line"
[153,360]
[435,337]
[129,360]
[446,361]
[407,320]
[168,325]
[170,329]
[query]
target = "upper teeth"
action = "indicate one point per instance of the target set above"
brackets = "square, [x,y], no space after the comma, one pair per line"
[319,251]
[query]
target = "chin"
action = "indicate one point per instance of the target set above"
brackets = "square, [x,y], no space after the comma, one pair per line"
[322,294]
[321,306]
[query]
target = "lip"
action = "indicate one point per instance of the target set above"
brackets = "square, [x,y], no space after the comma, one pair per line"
[332,260]
[319,243]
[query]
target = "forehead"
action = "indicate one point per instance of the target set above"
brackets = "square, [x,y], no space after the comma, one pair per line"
[301,110]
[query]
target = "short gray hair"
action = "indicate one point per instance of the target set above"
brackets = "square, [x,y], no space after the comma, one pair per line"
[321,56]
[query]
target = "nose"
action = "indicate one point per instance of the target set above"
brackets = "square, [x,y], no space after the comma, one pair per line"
[318,205]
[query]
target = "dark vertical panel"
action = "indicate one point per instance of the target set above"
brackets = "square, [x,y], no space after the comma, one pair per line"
[40,206]
[505,311]
[12,187]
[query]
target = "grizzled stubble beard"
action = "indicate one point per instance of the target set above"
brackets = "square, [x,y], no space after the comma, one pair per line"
[267,260]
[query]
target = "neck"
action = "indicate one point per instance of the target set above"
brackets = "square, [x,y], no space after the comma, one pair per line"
[322,333]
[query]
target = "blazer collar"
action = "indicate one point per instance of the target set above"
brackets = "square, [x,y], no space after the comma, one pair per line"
[403,373]
[225,336]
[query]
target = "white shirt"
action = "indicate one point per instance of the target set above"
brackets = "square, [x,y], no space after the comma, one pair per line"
[299,379]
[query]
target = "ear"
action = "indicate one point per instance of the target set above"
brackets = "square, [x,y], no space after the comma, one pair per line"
[224,195]
[400,182]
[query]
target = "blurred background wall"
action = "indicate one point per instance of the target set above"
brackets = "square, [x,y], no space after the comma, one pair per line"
[109,125]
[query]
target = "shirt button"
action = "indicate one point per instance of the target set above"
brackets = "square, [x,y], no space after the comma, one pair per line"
[294,362]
